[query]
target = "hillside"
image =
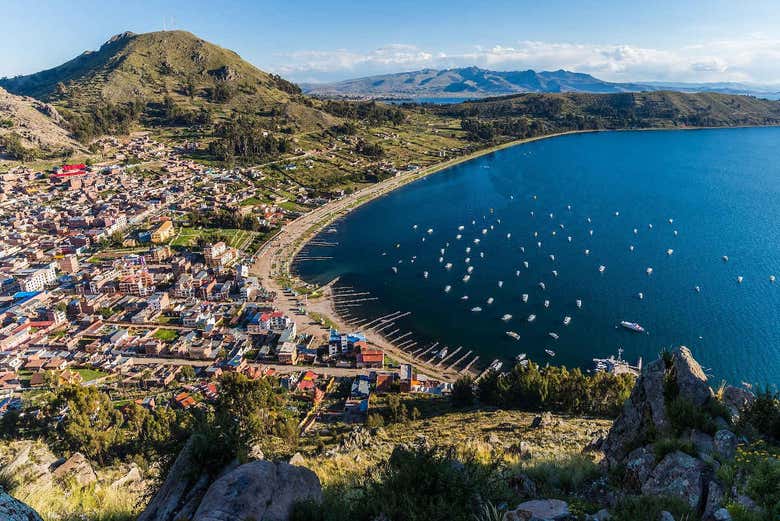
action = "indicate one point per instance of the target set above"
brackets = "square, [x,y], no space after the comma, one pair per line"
[535,114]
[148,67]
[473,82]
[32,125]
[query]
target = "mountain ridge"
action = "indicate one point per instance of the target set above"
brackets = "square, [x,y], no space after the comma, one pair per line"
[474,82]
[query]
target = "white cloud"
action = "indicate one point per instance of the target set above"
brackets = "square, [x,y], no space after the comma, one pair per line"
[752,59]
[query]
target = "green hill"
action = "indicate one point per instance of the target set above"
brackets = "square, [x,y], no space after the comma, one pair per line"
[147,68]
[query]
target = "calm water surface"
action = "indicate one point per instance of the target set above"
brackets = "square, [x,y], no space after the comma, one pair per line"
[721,188]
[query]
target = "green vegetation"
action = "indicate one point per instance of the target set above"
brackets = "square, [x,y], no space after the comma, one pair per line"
[245,141]
[556,389]
[12,145]
[649,508]
[166,335]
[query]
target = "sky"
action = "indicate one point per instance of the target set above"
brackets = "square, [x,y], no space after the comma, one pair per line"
[320,41]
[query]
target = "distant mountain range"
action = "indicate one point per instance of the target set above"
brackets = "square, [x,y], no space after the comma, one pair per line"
[473,82]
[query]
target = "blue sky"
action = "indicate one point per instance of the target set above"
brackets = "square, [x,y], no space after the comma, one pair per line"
[308,40]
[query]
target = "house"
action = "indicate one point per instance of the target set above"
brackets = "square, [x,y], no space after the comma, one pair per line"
[370,358]
[288,353]
[163,232]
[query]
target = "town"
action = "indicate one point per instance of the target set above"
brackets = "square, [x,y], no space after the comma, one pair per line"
[124,277]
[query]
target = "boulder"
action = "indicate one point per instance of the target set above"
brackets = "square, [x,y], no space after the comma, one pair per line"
[76,469]
[680,475]
[132,476]
[666,516]
[639,465]
[736,398]
[540,510]
[690,377]
[259,490]
[714,501]
[725,443]
[180,493]
[12,509]
[702,442]
[297,459]
[722,515]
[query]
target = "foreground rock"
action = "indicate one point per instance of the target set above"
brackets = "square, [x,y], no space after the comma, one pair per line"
[540,510]
[76,469]
[14,510]
[260,490]
[679,475]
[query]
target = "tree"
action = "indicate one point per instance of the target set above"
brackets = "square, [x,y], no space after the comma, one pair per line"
[187,373]
[463,392]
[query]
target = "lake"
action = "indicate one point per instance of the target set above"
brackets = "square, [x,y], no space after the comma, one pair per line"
[608,191]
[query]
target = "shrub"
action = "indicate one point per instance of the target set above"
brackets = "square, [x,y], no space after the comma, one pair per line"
[666,446]
[683,415]
[763,415]
[462,392]
[649,508]
[565,475]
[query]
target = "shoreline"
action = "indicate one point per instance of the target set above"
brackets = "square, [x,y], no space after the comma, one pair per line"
[273,259]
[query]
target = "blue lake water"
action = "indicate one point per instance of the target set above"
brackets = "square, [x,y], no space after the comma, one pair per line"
[720,187]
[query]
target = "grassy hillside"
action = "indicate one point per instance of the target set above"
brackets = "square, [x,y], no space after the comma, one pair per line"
[147,68]
[578,111]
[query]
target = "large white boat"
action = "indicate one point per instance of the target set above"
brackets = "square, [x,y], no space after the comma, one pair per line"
[513,335]
[633,326]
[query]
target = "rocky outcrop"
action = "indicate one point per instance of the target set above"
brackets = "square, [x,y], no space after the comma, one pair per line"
[644,413]
[14,510]
[644,422]
[76,469]
[679,475]
[260,490]
[540,510]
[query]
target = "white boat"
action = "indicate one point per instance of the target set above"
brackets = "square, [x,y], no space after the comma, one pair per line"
[464,297]
[525,264]
[490,300]
[547,303]
[633,326]
[671,221]
[568,238]
[640,295]
[507,317]
[513,335]
[552,257]
[531,317]
[482,255]
[554,233]
[430,231]
[566,320]
[441,259]
[476,241]
[517,273]
[536,234]
[395,270]
[520,357]
[425,274]
[579,303]
[771,278]
[441,251]
[589,220]
[476,309]
[636,232]
[468,249]
[739,279]
[669,251]
[508,235]
[555,273]
[467,260]
[602,268]
[550,352]
[650,226]
[460,228]
[631,247]
[522,249]
[448,265]
[587,252]
[725,258]
[447,289]
[470,269]
[538,244]
[496,365]
[541,285]
[441,354]
[551,216]
[525,297]
[617,214]
[675,233]
[484,231]
[459,236]
[500,283]
[697,289]
[466,278]
[649,271]
[590,232]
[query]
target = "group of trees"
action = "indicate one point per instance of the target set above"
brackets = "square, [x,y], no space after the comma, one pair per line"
[175,114]
[285,85]
[550,388]
[369,111]
[104,118]
[372,150]
[225,219]
[13,148]
[244,140]
[488,130]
